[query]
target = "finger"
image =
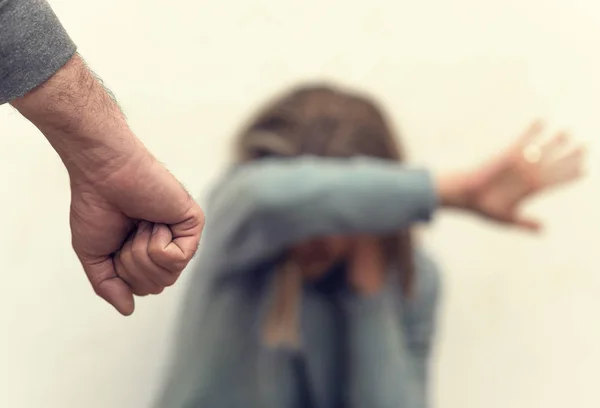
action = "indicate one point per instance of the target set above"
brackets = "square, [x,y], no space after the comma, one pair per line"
[137,288]
[186,236]
[573,157]
[149,269]
[176,210]
[567,168]
[553,146]
[530,134]
[564,176]
[108,285]
[527,223]
[164,252]
[146,269]
[137,264]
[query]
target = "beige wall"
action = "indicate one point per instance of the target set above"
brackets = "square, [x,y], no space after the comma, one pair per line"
[520,325]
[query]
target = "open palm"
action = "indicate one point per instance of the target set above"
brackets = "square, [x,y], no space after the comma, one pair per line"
[499,187]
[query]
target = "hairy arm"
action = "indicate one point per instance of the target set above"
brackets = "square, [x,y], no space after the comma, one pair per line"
[42,76]
[117,186]
[82,122]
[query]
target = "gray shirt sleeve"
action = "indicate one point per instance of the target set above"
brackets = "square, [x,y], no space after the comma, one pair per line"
[380,373]
[267,206]
[33,46]
[394,362]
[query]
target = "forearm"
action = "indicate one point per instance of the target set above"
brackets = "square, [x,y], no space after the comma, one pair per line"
[266,207]
[82,122]
[360,195]
[381,371]
[263,208]
[33,46]
[349,197]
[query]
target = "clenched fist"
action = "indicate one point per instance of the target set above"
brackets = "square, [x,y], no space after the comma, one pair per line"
[133,231]
[134,227]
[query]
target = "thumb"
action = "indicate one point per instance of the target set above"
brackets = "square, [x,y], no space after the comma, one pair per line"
[109,286]
[187,234]
[172,247]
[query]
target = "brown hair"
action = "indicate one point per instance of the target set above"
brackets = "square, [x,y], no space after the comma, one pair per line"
[327,121]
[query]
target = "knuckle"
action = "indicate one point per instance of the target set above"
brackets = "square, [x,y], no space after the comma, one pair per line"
[155,252]
[201,218]
[171,279]
[140,292]
[126,257]
[98,291]
[180,264]
[176,266]
[138,252]
[173,263]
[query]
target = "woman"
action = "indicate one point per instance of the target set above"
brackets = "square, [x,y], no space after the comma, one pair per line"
[310,291]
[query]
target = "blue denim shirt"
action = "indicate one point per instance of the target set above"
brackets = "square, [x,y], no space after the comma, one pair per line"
[358,352]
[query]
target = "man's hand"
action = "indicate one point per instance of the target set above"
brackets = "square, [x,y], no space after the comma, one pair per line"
[134,227]
[134,232]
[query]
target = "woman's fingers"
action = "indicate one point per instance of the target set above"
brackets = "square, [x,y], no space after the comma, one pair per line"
[530,134]
[553,162]
[572,158]
[551,148]
[527,223]
[532,165]
[565,168]
[366,272]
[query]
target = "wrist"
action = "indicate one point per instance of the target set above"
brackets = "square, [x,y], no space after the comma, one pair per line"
[82,122]
[96,157]
[454,190]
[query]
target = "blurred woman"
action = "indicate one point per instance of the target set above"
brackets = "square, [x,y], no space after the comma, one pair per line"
[310,291]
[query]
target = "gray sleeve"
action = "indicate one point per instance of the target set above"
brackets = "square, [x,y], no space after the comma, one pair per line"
[391,340]
[380,371]
[419,315]
[33,46]
[265,207]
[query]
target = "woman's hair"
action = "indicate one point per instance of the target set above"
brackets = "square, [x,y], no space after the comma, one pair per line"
[327,121]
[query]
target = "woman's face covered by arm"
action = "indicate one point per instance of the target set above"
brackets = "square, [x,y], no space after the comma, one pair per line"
[364,255]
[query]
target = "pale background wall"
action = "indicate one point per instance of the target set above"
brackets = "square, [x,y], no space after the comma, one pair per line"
[520,324]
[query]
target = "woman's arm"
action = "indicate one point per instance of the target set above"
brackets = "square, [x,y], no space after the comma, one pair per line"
[380,373]
[264,207]
[389,336]
[267,206]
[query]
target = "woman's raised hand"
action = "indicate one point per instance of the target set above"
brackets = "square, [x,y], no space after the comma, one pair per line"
[498,188]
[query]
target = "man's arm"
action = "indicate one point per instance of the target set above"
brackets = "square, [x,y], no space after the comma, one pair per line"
[82,122]
[117,187]
[33,46]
